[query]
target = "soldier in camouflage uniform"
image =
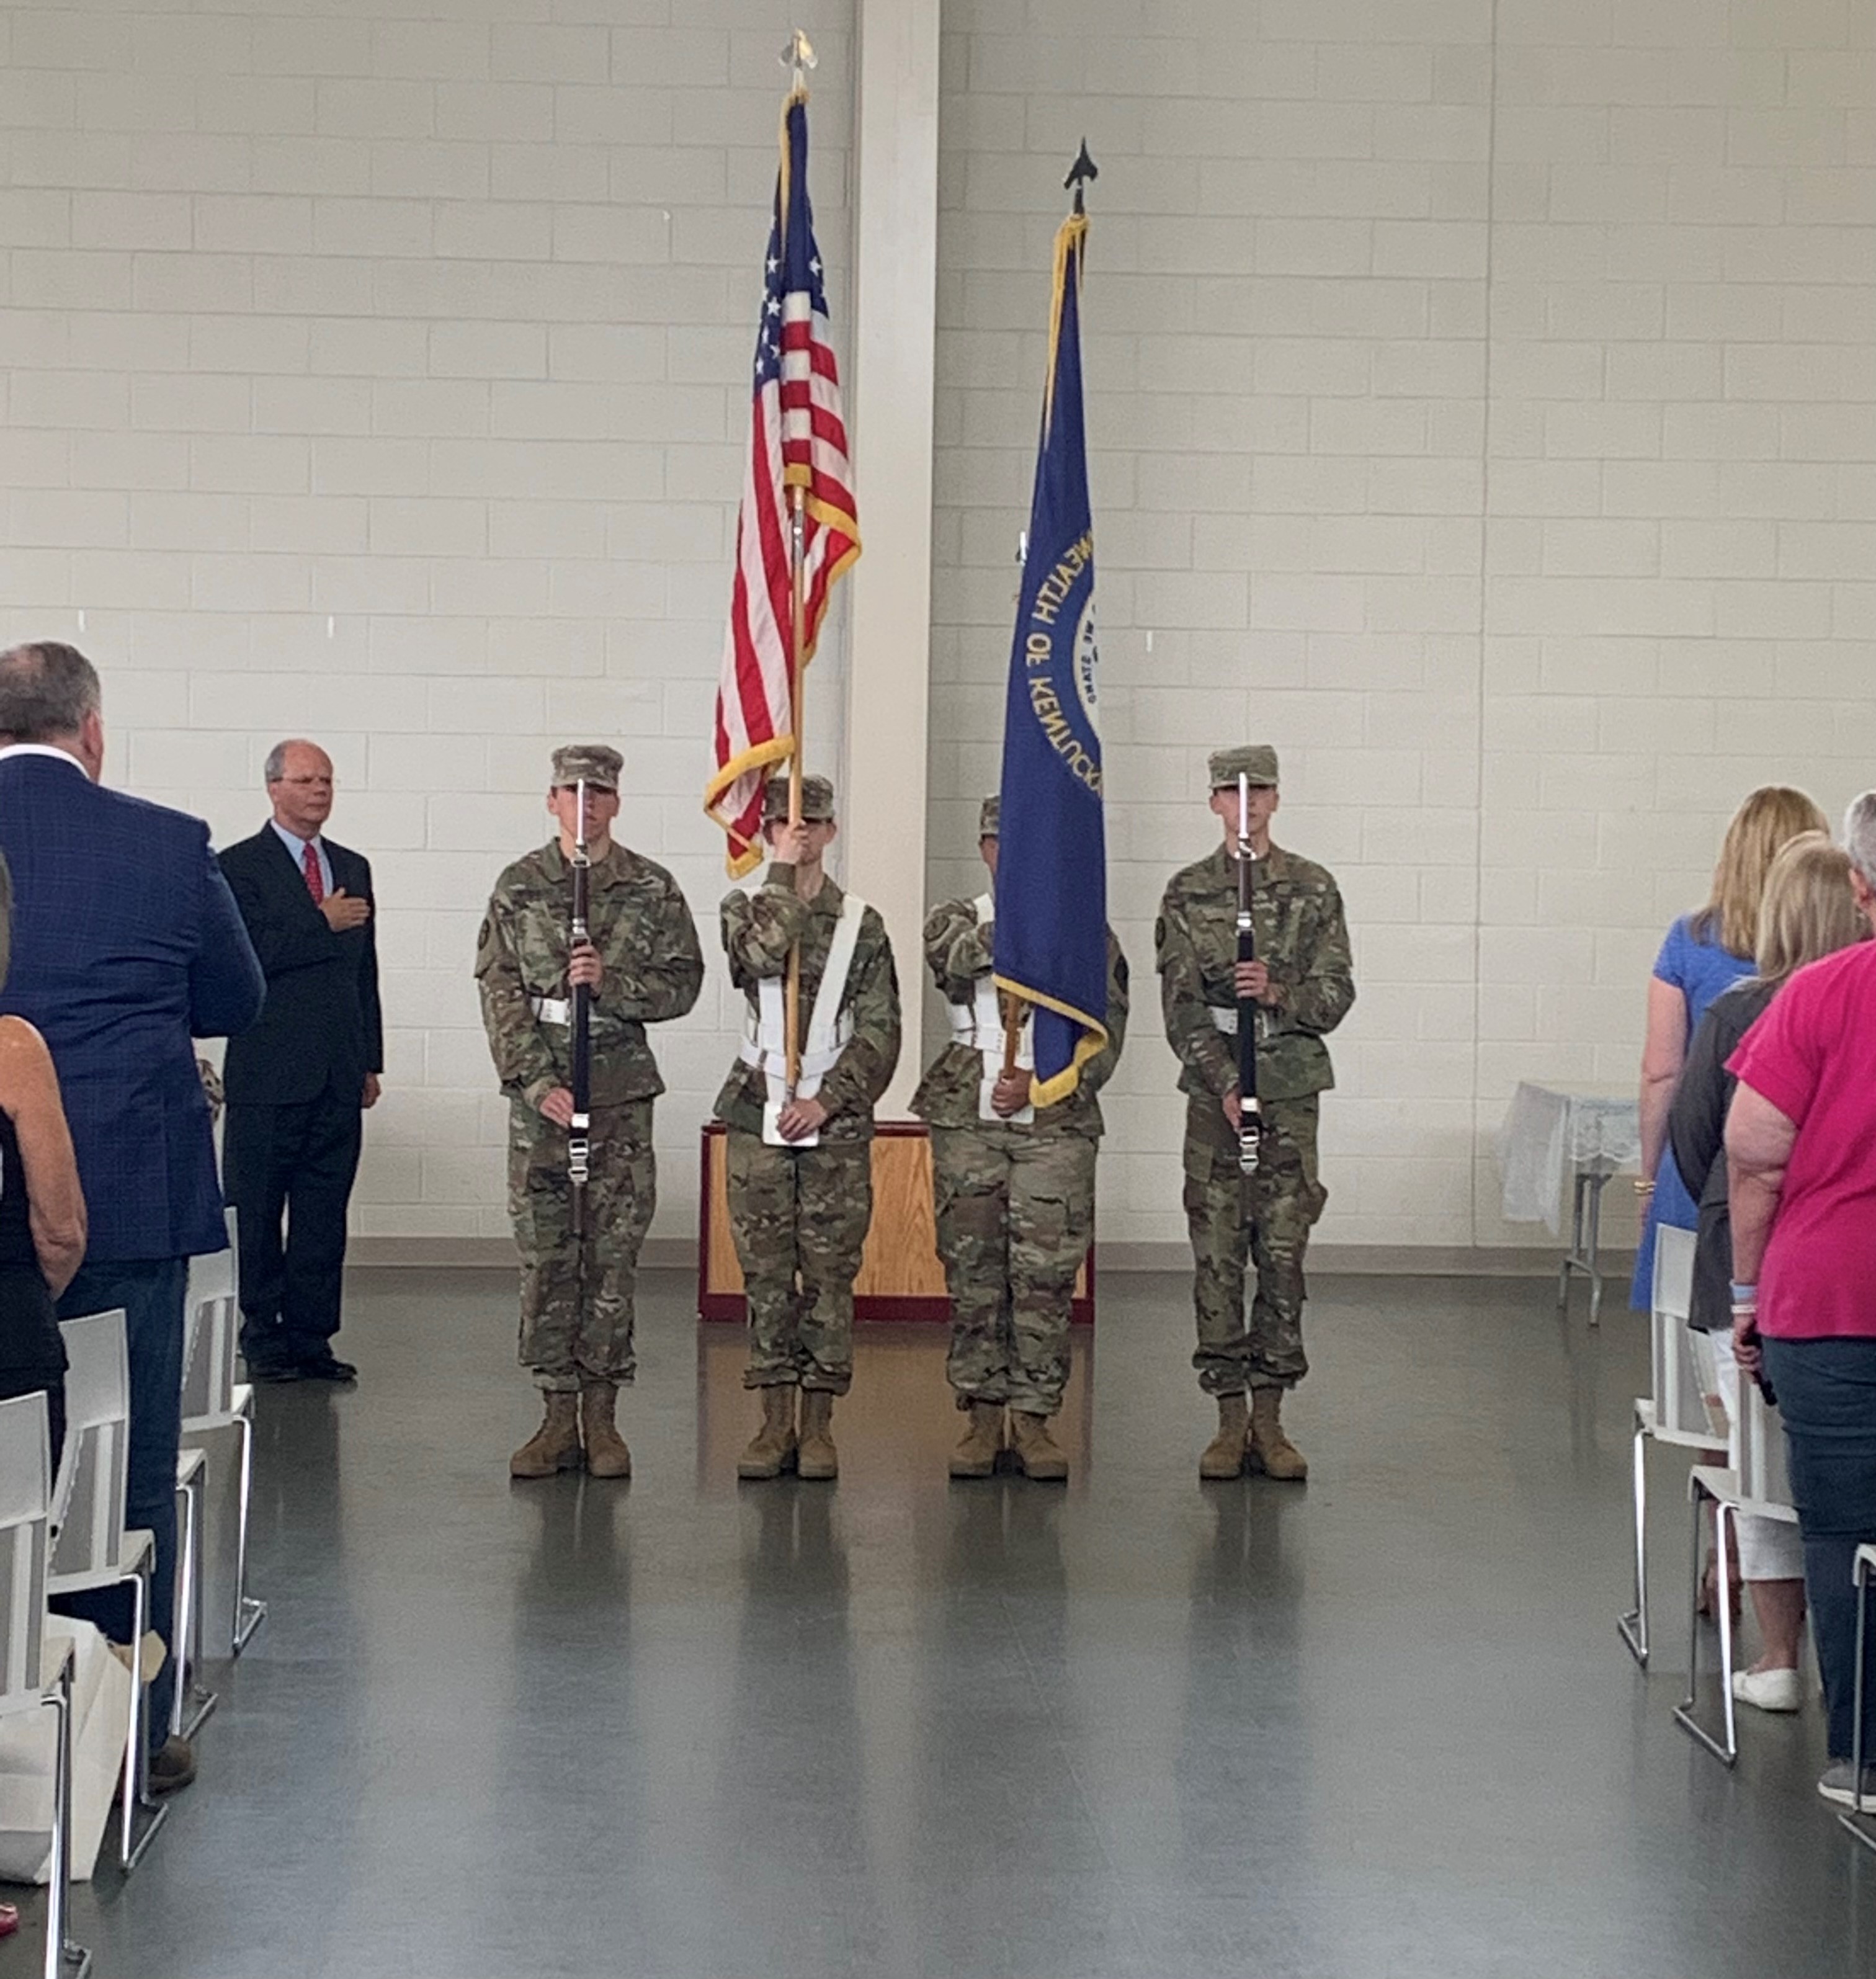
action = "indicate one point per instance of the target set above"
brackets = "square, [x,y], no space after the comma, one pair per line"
[1303,979]
[643,965]
[1015,1195]
[800,1169]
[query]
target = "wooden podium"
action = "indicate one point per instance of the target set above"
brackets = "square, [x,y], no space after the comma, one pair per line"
[901,1276]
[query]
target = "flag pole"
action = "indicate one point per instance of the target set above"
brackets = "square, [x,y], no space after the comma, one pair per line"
[1010,1003]
[797,616]
[797,58]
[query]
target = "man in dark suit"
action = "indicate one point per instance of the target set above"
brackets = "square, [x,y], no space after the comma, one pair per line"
[126,944]
[298,1082]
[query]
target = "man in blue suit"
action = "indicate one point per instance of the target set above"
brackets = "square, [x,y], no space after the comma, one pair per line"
[126,944]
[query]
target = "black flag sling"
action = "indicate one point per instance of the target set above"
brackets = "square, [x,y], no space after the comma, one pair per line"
[579,1147]
[1250,1116]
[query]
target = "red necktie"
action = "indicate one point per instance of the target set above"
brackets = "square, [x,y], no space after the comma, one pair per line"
[316,886]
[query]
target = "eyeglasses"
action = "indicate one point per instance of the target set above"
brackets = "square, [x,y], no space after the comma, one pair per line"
[306,783]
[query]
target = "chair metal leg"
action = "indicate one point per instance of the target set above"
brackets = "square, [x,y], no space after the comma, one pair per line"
[131,1841]
[1725,1521]
[200,1703]
[1634,1625]
[134,1743]
[185,1522]
[1728,1753]
[58,1871]
[1852,1823]
[64,1960]
[248,1613]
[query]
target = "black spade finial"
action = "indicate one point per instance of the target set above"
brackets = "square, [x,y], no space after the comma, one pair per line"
[1083,169]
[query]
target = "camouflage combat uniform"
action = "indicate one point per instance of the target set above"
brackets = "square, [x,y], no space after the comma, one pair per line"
[800,1215]
[1301,935]
[653,970]
[1015,1200]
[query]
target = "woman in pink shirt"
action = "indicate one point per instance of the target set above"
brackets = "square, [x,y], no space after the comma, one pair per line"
[1800,1144]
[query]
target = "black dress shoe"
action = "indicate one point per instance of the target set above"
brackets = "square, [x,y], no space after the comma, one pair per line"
[172,1766]
[325,1367]
[271,1370]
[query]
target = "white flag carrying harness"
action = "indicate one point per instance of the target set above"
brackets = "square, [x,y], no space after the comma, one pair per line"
[765,1033]
[979,1024]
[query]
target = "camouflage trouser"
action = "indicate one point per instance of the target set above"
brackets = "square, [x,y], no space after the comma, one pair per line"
[1016,1209]
[799,1216]
[571,1333]
[1267,1221]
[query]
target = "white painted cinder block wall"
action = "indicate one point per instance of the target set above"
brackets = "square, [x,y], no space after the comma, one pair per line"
[1489,420]
[386,379]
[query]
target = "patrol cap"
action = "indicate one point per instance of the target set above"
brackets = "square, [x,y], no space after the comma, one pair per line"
[817,801]
[988,818]
[587,763]
[1255,761]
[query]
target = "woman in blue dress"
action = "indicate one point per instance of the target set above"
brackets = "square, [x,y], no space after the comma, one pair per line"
[1704,953]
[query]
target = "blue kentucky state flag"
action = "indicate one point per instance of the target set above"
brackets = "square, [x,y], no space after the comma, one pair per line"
[1051,939]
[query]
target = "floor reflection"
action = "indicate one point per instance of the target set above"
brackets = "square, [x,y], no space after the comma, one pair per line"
[904,1727]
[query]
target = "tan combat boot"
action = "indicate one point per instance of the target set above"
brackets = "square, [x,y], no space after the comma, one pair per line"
[976,1453]
[819,1460]
[606,1454]
[1037,1451]
[771,1450]
[555,1445]
[1224,1456]
[1269,1450]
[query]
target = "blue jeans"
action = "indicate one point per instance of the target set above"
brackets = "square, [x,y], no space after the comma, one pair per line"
[151,1290]
[1826,1396]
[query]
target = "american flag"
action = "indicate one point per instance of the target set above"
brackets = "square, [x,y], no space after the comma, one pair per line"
[797,439]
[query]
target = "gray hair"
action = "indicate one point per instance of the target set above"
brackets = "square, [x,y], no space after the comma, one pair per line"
[275,767]
[1860,834]
[46,690]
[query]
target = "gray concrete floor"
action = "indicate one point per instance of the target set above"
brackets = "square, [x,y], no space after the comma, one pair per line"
[1379,1727]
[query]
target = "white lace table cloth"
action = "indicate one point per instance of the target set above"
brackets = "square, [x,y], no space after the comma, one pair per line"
[1553,1130]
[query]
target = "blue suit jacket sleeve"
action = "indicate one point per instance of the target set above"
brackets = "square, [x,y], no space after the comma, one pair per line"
[226,986]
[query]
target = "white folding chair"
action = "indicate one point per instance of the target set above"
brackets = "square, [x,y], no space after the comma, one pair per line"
[213,1400]
[25,1684]
[1755,1485]
[1674,1414]
[211,1280]
[91,1549]
[1856,1821]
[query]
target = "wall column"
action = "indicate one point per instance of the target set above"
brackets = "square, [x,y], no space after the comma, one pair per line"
[889,647]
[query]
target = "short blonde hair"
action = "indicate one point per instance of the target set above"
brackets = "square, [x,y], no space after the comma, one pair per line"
[1809,911]
[1768,819]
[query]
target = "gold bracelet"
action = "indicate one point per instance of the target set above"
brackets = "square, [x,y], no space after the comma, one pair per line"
[1643,1187]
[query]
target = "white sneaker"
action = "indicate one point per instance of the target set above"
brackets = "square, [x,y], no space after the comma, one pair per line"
[1838,1784]
[1769,1690]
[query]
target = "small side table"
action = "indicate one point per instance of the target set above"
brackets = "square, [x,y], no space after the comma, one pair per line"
[1558,1129]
